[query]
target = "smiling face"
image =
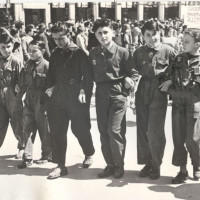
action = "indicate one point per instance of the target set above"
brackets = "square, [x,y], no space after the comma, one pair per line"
[152,38]
[104,35]
[6,49]
[189,45]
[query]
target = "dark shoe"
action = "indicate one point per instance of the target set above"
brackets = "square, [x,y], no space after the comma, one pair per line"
[58,172]
[146,171]
[180,178]
[43,161]
[25,164]
[108,171]
[155,174]
[196,173]
[119,172]
[87,162]
[20,154]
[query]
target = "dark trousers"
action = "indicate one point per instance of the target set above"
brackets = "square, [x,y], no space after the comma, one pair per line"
[183,123]
[80,125]
[34,121]
[111,111]
[151,106]
[11,110]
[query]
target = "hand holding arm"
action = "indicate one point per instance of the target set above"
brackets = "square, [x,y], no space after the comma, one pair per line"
[82,97]
[49,91]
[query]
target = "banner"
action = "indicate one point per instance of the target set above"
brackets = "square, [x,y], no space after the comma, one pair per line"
[192,16]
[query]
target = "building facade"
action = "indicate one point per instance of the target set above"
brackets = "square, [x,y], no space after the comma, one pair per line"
[51,12]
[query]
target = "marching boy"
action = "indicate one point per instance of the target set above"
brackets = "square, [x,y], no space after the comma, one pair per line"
[185,93]
[10,98]
[33,112]
[114,77]
[152,62]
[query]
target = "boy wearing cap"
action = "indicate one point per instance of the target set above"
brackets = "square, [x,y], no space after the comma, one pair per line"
[185,93]
[10,95]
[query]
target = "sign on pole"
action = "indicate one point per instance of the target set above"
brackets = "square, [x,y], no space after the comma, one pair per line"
[192,16]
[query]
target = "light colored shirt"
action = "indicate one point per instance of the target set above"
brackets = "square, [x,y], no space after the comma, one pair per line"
[25,42]
[82,42]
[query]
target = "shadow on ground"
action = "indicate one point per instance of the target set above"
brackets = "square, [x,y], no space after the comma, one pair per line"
[8,166]
[76,172]
[184,191]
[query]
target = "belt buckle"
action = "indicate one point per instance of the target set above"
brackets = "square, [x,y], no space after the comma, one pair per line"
[71,82]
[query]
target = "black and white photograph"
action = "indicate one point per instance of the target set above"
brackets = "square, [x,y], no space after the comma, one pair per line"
[99,100]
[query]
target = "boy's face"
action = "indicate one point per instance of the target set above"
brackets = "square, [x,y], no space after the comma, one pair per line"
[61,40]
[35,52]
[170,33]
[31,33]
[6,49]
[22,30]
[189,45]
[104,35]
[152,38]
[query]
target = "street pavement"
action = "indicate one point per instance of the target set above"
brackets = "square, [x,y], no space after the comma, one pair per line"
[83,184]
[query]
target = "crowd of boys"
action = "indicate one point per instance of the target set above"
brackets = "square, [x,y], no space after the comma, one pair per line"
[46,81]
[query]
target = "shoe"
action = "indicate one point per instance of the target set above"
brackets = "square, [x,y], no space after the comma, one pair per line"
[108,171]
[20,154]
[146,171]
[155,174]
[87,162]
[42,161]
[25,164]
[119,172]
[196,173]
[180,178]
[58,172]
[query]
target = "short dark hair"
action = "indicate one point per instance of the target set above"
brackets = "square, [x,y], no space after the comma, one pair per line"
[41,27]
[195,33]
[102,23]
[150,25]
[19,24]
[116,26]
[39,43]
[14,31]
[69,24]
[86,23]
[29,28]
[5,36]
[60,29]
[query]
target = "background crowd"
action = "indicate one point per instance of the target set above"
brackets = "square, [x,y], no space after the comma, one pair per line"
[152,47]
[127,33]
